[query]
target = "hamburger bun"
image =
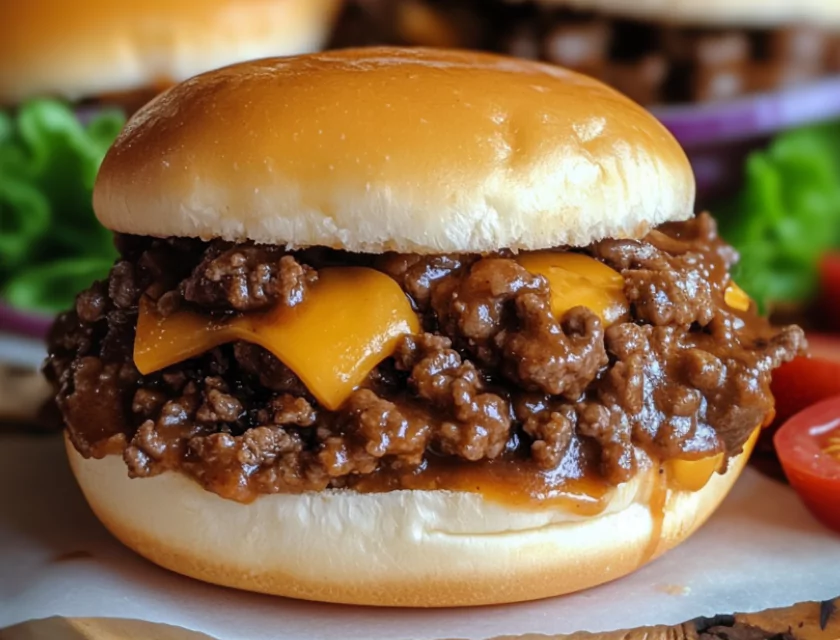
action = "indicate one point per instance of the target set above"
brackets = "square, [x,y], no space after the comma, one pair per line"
[418,151]
[401,548]
[83,49]
[421,151]
[719,13]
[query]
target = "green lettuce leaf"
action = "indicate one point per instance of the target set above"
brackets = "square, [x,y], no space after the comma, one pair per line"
[39,286]
[48,164]
[787,215]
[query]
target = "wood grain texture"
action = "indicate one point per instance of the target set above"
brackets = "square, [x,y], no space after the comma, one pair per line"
[804,621]
[58,628]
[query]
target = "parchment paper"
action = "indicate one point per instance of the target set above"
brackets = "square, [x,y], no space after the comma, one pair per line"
[760,550]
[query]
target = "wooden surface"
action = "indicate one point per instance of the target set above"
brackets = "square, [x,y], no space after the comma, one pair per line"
[806,621]
[58,628]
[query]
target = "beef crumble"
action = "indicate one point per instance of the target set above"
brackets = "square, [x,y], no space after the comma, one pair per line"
[494,381]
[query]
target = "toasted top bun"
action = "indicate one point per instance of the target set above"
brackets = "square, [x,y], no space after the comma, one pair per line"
[400,548]
[747,13]
[412,150]
[84,48]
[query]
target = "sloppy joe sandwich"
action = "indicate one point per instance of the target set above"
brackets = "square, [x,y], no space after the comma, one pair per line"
[407,327]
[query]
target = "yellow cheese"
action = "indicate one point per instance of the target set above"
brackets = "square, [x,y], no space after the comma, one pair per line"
[736,297]
[693,475]
[578,280]
[349,322]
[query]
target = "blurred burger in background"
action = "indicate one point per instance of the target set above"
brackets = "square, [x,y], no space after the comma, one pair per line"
[70,74]
[655,51]
[746,87]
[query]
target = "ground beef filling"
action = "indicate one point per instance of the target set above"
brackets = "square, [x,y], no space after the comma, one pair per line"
[495,384]
[652,63]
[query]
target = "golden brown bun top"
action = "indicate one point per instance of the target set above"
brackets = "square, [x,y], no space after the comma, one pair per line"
[83,48]
[746,13]
[414,150]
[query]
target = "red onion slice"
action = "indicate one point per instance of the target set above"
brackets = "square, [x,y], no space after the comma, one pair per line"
[24,323]
[752,116]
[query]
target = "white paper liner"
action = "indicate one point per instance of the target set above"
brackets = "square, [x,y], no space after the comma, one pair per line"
[760,550]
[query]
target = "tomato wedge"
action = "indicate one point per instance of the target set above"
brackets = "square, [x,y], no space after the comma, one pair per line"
[825,346]
[830,289]
[802,382]
[808,446]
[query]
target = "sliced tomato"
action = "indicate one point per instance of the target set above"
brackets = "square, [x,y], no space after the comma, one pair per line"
[824,345]
[804,381]
[796,386]
[808,446]
[830,289]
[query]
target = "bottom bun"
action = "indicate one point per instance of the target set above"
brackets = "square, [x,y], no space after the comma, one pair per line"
[402,548]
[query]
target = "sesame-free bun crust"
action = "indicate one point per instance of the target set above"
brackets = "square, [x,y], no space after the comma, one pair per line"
[747,13]
[401,548]
[412,150]
[85,48]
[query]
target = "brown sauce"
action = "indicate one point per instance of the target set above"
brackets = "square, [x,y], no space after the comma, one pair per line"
[656,503]
[507,482]
[494,397]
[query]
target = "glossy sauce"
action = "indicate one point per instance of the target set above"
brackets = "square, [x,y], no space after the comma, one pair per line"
[513,483]
[513,479]
[656,503]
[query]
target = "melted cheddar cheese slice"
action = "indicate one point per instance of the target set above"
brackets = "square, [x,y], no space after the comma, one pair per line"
[736,297]
[350,321]
[578,280]
[693,475]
